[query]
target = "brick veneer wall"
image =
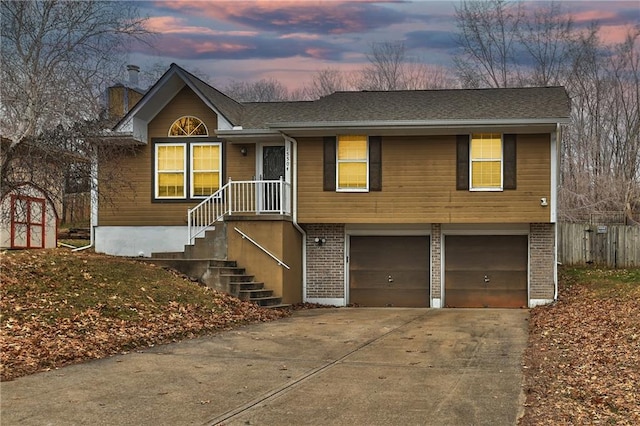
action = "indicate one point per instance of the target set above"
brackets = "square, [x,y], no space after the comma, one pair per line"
[542,275]
[436,260]
[325,263]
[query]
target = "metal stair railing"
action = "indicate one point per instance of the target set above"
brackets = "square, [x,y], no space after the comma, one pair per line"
[248,197]
[267,252]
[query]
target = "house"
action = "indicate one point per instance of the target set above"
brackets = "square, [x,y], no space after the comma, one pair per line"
[443,198]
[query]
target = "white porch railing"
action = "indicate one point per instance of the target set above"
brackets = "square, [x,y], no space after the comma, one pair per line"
[245,197]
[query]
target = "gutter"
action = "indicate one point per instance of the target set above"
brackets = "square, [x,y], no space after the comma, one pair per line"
[395,124]
[294,208]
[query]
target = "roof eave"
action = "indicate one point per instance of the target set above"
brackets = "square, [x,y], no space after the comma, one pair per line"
[250,135]
[413,124]
[119,138]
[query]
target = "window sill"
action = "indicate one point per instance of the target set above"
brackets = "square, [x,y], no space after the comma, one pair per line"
[352,190]
[486,190]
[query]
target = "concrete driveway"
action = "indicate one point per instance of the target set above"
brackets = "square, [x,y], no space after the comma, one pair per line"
[347,366]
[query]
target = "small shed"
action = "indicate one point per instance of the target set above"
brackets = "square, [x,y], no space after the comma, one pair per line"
[28,219]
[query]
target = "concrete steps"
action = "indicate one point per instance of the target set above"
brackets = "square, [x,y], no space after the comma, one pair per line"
[203,261]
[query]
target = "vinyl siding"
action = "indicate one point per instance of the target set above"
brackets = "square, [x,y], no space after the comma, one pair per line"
[419,186]
[132,204]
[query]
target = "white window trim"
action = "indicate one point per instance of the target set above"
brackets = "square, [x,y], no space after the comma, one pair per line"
[156,171]
[191,172]
[188,136]
[472,161]
[338,161]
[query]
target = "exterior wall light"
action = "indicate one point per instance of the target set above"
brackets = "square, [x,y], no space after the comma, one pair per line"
[320,241]
[543,202]
[243,151]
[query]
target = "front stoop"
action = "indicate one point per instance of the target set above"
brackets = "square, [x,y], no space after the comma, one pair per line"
[220,275]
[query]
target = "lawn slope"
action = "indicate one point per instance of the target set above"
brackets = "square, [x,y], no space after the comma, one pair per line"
[582,365]
[59,307]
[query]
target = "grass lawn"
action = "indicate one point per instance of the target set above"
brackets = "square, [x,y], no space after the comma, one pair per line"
[59,307]
[582,364]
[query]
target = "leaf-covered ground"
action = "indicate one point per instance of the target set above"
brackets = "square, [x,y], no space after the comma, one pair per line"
[59,307]
[582,365]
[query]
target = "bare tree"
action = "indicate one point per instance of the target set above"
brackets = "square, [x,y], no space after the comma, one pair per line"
[601,157]
[505,44]
[57,60]
[488,33]
[265,90]
[325,82]
[547,38]
[391,68]
[385,70]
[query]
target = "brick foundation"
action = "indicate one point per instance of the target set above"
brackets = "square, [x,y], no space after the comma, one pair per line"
[325,263]
[542,261]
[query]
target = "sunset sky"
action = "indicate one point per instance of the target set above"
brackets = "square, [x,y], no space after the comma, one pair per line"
[289,40]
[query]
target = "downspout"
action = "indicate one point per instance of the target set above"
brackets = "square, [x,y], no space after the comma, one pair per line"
[555,206]
[94,203]
[294,212]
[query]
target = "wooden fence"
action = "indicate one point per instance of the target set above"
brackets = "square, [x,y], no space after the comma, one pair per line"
[615,246]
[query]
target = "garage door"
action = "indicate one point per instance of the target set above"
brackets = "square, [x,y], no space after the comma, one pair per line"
[389,271]
[486,271]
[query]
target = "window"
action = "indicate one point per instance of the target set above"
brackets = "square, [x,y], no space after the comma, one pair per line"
[486,161]
[352,163]
[205,169]
[358,161]
[188,126]
[170,171]
[187,170]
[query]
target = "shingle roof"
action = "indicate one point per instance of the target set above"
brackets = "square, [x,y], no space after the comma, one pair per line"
[422,106]
[231,109]
[415,105]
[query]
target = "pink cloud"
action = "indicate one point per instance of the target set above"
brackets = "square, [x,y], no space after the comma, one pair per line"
[592,15]
[173,25]
[332,16]
[317,53]
[614,34]
[301,36]
[185,48]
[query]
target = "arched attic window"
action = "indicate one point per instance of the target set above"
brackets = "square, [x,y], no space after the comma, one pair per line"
[188,126]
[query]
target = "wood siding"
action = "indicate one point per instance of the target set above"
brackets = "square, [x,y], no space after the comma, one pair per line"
[419,186]
[132,204]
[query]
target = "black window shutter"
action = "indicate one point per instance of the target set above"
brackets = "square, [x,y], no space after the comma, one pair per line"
[462,162]
[375,163]
[329,174]
[509,161]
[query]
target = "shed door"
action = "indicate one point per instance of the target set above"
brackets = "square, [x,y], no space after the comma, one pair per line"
[27,222]
[389,271]
[486,271]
